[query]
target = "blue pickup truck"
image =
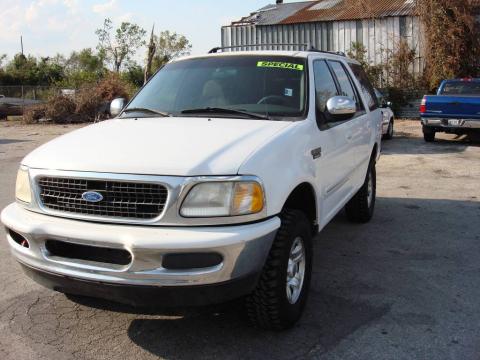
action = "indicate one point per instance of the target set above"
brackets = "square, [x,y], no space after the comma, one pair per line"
[455,109]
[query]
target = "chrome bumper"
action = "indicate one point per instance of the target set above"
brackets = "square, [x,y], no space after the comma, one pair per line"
[244,249]
[451,123]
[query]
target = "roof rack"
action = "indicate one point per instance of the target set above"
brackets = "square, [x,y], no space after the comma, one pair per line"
[305,46]
[217,49]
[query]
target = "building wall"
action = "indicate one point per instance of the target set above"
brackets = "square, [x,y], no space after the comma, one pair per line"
[377,35]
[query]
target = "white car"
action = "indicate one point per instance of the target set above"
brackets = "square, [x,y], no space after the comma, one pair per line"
[209,185]
[387,114]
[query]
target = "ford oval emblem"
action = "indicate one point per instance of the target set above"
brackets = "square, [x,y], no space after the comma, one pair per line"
[92,196]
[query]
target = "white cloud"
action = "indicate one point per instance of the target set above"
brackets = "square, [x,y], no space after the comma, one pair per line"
[127,17]
[104,7]
[56,24]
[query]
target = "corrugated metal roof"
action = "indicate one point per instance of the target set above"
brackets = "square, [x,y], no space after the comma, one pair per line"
[273,14]
[331,10]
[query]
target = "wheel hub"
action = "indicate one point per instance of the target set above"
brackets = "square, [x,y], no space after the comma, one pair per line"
[295,271]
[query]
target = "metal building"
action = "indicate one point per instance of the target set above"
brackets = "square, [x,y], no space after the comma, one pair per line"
[332,25]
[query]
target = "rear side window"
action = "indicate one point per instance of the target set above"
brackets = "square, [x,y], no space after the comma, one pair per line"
[461,88]
[346,87]
[325,87]
[366,86]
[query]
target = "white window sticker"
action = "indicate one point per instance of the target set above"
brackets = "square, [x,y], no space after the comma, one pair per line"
[289,92]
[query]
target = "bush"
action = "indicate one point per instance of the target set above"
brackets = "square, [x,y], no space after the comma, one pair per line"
[90,102]
[60,109]
[34,113]
[112,87]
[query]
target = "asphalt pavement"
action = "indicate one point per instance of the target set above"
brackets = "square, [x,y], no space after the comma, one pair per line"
[405,286]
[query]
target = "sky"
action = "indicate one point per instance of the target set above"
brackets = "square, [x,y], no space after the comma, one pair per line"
[49,27]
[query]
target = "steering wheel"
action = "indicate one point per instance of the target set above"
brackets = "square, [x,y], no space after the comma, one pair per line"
[265,99]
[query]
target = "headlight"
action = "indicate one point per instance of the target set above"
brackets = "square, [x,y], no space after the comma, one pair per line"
[218,199]
[22,188]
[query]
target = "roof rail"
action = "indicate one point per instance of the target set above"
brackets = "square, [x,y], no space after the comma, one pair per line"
[305,46]
[339,53]
[217,49]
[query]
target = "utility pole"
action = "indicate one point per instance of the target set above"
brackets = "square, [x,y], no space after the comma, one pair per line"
[21,43]
[150,54]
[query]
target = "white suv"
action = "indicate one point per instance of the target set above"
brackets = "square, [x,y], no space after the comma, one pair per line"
[209,185]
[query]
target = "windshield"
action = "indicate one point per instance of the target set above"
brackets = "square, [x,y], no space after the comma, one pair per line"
[271,86]
[461,88]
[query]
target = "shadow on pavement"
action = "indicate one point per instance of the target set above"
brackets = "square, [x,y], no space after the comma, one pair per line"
[11,141]
[395,280]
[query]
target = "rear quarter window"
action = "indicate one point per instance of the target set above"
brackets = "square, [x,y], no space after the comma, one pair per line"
[365,86]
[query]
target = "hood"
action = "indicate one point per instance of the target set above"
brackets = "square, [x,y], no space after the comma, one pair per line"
[157,146]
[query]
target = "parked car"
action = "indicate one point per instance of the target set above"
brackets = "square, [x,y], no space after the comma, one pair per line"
[388,115]
[14,106]
[208,186]
[455,109]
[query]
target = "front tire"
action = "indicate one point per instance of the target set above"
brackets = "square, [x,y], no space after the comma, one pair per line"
[281,293]
[360,208]
[389,134]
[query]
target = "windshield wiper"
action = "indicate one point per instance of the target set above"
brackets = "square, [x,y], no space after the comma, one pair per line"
[145,110]
[217,110]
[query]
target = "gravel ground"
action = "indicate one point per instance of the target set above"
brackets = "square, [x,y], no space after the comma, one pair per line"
[405,286]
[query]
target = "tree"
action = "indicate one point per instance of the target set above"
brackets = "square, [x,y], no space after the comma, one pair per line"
[85,60]
[452,41]
[119,47]
[359,52]
[134,75]
[83,67]
[150,54]
[3,57]
[169,46]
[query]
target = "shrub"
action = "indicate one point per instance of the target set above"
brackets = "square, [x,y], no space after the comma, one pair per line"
[90,102]
[60,109]
[33,114]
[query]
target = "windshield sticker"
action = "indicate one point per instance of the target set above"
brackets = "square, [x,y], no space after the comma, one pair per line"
[289,92]
[281,65]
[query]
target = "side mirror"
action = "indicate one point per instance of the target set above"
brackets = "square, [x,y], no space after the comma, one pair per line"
[116,106]
[341,108]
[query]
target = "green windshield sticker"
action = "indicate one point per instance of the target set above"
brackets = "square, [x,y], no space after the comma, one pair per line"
[281,65]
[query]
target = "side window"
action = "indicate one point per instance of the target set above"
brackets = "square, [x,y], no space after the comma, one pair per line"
[343,80]
[325,87]
[367,88]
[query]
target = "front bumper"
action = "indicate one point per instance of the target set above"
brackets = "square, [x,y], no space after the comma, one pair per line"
[244,249]
[451,124]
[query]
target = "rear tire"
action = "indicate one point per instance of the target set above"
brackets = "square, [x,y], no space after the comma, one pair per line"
[360,208]
[282,290]
[428,134]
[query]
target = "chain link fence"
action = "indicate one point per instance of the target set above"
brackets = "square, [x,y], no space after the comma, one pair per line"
[27,92]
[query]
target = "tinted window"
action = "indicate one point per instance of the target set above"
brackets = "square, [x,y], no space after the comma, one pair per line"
[269,85]
[366,86]
[325,87]
[461,88]
[346,88]
[380,97]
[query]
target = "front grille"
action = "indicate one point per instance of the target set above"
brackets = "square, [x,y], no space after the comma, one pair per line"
[121,199]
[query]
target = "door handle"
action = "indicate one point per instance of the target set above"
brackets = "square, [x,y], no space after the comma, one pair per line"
[349,137]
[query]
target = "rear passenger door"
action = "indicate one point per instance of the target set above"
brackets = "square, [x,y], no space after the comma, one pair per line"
[358,137]
[373,123]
